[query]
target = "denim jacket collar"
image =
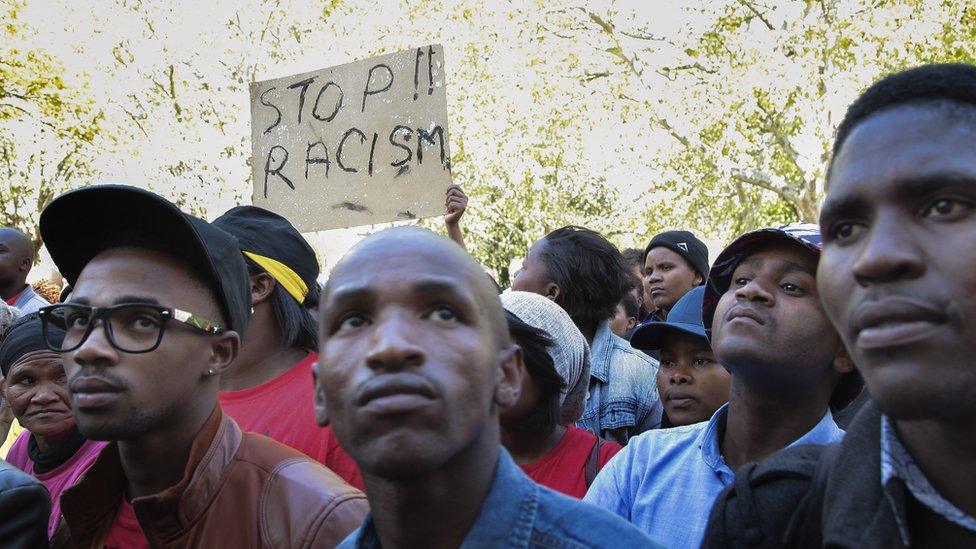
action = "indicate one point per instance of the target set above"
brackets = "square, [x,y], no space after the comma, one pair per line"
[507,515]
[601,351]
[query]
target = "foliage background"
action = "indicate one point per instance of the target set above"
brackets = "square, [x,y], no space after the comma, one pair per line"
[626,116]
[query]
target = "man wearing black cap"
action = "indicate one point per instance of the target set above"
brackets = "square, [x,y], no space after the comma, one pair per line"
[158,302]
[268,387]
[674,263]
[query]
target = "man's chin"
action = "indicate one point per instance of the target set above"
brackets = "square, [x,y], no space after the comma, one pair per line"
[396,466]
[399,458]
[919,402]
[109,429]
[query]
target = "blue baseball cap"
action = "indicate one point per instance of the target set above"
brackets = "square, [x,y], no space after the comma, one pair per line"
[685,316]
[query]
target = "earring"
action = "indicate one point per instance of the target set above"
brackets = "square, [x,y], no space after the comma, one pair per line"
[211,371]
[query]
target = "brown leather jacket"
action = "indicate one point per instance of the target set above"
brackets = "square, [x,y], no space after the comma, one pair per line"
[238,490]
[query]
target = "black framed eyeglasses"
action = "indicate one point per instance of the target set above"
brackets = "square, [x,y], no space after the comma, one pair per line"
[129,327]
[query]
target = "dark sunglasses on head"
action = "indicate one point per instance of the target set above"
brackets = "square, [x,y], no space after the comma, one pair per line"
[129,327]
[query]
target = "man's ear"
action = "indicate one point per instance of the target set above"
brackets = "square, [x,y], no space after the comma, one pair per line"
[262,285]
[321,413]
[223,351]
[842,363]
[698,279]
[631,322]
[508,386]
[26,263]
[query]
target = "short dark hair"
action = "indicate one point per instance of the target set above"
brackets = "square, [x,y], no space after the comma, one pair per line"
[296,322]
[591,273]
[634,257]
[630,305]
[534,344]
[946,86]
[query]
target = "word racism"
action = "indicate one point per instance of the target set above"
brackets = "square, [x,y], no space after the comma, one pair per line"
[366,142]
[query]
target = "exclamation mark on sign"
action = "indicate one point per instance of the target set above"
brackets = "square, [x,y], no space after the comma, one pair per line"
[416,72]
[430,70]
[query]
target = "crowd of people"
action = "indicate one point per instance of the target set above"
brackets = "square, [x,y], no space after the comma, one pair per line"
[194,386]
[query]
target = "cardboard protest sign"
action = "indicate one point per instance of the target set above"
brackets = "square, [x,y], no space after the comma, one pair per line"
[355,144]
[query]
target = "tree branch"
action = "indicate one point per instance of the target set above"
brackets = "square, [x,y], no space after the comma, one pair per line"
[763,182]
[776,130]
[750,7]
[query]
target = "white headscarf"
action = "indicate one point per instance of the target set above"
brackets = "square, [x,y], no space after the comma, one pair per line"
[570,353]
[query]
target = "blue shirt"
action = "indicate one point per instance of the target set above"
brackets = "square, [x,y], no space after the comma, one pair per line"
[520,513]
[29,302]
[623,389]
[666,481]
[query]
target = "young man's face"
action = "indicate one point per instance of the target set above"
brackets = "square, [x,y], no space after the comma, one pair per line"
[37,390]
[118,395]
[667,277]
[691,383]
[898,273]
[769,325]
[411,355]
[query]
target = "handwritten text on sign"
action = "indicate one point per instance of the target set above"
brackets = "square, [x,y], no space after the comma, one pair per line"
[355,144]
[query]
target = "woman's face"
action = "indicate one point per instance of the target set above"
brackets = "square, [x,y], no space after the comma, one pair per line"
[37,389]
[667,277]
[691,383]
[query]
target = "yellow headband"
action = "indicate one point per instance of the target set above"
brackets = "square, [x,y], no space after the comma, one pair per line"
[283,274]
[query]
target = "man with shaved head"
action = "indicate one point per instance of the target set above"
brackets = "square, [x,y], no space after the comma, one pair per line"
[415,361]
[16,260]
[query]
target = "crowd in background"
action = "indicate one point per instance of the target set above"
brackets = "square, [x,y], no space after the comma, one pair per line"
[192,384]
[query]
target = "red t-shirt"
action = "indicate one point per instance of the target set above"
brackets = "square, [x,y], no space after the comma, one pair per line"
[563,469]
[125,532]
[14,299]
[283,409]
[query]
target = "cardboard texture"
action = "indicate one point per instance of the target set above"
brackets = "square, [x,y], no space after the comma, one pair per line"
[356,144]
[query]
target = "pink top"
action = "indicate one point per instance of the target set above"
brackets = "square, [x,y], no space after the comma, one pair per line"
[61,478]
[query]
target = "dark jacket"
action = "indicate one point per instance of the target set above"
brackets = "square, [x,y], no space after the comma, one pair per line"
[826,497]
[239,490]
[24,509]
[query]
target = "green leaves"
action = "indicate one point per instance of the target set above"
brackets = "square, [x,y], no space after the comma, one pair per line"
[48,128]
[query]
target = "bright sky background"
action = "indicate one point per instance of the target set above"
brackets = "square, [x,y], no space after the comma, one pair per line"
[87,35]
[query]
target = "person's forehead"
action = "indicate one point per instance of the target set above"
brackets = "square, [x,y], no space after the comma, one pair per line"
[780,253]
[662,253]
[899,147]
[133,271]
[10,238]
[674,340]
[37,359]
[394,270]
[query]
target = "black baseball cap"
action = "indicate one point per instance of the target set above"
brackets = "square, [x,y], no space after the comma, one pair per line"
[80,224]
[262,235]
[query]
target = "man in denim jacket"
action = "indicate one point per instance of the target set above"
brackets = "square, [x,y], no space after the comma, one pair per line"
[415,362]
[586,275]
